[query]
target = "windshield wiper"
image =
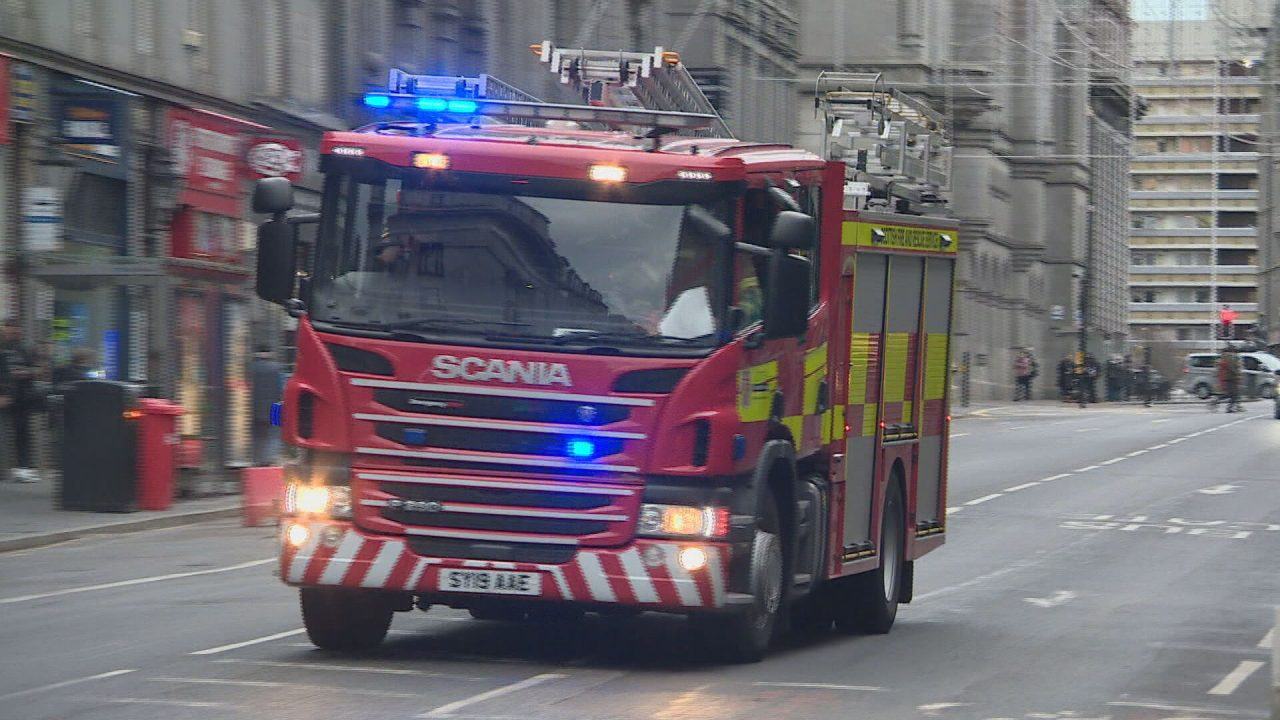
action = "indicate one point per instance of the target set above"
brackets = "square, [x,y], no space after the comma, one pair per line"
[625,337]
[447,323]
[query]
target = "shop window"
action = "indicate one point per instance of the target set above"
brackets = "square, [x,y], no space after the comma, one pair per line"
[98,213]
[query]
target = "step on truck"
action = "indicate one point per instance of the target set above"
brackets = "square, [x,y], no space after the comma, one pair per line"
[558,358]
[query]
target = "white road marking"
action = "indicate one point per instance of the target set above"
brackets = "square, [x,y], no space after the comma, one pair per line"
[984,498]
[1112,461]
[953,510]
[1087,468]
[447,710]
[247,643]
[1218,490]
[1175,441]
[1051,478]
[66,683]
[1236,677]
[135,581]
[1023,486]
[278,684]
[1163,420]
[1136,453]
[821,686]
[1085,429]
[956,435]
[1267,639]
[159,701]
[935,709]
[1163,706]
[1017,427]
[347,668]
[1059,598]
[1161,446]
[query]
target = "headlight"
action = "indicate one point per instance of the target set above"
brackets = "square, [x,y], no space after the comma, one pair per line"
[683,521]
[316,483]
[331,500]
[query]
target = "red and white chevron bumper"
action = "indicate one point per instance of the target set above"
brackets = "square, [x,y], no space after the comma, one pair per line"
[645,574]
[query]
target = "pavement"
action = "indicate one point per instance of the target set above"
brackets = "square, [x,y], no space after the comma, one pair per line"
[29,516]
[1115,562]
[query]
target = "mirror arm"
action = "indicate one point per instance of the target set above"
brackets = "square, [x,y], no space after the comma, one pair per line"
[295,307]
[753,249]
[304,219]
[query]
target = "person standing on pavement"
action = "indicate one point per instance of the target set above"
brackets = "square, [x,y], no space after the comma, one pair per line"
[1066,369]
[1089,379]
[268,377]
[1023,374]
[21,393]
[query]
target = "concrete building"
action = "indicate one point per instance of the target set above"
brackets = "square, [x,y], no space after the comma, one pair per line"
[1194,206]
[1269,190]
[1036,95]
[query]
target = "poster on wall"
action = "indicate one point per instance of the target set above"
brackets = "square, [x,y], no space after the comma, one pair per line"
[190,386]
[111,354]
[238,391]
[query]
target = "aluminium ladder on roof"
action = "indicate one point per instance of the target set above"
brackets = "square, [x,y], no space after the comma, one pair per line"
[654,81]
[891,139]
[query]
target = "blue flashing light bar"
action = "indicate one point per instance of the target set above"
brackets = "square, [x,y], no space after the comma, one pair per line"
[580,448]
[375,100]
[466,107]
[432,104]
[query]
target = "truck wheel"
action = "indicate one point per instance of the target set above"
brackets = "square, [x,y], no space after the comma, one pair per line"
[1268,391]
[1277,410]
[344,620]
[744,636]
[868,602]
[1203,391]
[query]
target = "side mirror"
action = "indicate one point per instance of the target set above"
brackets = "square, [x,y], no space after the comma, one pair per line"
[277,259]
[706,223]
[272,195]
[791,231]
[782,199]
[786,302]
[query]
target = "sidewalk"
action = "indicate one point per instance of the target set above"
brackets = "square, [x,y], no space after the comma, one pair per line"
[29,518]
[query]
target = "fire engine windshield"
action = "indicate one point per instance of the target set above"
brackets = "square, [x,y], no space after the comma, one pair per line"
[444,263]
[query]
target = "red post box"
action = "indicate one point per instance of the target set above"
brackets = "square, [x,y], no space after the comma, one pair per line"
[157,437]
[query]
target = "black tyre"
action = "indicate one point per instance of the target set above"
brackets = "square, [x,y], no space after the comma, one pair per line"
[868,603]
[1267,392]
[1277,410]
[345,620]
[744,636]
[1203,391]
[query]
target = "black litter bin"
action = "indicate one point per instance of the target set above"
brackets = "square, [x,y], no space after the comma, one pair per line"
[99,466]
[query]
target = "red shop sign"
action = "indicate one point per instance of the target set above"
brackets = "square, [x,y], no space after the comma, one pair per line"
[274,157]
[207,150]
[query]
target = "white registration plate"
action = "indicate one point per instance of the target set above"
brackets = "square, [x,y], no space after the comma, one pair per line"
[498,582]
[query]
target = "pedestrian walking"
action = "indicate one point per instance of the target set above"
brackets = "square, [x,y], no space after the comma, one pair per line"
[268,377]
[21,371]
[1229,380]
[1024,371]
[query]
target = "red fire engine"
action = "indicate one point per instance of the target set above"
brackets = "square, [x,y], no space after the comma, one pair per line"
[563,358]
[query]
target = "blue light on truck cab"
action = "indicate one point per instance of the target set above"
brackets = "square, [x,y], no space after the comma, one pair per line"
[374,100]
[580,448]
[462,106]
[432,104]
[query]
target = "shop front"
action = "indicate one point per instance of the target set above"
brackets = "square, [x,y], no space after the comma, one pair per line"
[210,286]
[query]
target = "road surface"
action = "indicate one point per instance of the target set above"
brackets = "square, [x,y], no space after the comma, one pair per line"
[1107,563]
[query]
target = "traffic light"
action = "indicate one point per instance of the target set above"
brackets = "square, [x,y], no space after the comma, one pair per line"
[1226,318]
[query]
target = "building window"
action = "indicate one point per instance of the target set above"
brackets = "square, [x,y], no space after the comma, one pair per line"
[144,26]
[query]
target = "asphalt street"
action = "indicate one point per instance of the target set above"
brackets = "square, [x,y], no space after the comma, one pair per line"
[1102,563]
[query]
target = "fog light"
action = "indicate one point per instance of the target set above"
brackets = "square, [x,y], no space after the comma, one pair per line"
[692,559]
[297,535]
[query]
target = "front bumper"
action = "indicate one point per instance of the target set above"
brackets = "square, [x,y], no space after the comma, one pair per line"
[643,574]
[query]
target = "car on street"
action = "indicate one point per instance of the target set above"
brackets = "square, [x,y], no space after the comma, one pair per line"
[1260,368]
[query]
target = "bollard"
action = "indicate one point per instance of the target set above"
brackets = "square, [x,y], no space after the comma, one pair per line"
[262,493]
